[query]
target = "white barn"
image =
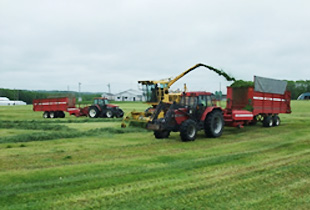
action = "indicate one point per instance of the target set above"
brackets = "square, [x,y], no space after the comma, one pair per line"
[4,101]
[129,95]
[109,96]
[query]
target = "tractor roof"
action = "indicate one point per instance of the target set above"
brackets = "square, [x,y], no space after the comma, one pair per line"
[197,93]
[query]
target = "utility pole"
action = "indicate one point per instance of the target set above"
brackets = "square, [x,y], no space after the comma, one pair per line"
[80,98]
[109,86]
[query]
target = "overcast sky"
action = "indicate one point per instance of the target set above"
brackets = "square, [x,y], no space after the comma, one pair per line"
[55,44]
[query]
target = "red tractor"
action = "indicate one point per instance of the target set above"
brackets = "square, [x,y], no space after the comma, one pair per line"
[102,108]
[245,106]
[196,111]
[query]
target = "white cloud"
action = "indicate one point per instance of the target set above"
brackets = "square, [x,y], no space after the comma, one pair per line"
[60,43]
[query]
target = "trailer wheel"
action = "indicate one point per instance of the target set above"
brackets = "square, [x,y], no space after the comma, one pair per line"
[162,134]
[268,121]
[52,115]
[214,124]
[109,114]
[276,120]
[61,114]
[188,130]
[93,112]
[46,114]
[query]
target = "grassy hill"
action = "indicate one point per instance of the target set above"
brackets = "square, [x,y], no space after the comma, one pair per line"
[81,163]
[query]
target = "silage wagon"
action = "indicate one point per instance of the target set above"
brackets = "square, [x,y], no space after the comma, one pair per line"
[56,107]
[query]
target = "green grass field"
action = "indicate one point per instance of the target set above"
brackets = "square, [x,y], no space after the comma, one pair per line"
[82,163]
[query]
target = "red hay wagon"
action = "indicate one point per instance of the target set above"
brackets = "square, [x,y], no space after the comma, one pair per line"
[56,107]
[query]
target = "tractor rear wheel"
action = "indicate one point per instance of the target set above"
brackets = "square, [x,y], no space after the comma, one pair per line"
[268,121]
[162,134]
[188,130]
[93,112]
[214,124]
[109,114]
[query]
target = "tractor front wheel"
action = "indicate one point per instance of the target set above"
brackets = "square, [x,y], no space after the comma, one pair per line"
[119,113]
[162,134]
[214,124]
[109,114]
[188,130]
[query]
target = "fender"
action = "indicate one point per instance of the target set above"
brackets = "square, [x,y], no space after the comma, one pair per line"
[98,107]
[209,110]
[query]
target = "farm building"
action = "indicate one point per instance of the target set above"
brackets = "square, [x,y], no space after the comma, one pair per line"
[304,96]
[129,95]
[4,101]
[109,96]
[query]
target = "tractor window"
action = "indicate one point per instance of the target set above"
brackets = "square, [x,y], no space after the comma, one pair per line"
[188,101]
[212,101]
[100,102]
[106,101]
[150,92]
[202,100]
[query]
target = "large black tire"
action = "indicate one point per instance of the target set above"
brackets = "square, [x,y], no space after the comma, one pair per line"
[52,115]
[268,121]
[119,113]
[188,130]
[162,134]
[276,120]
[214,124]
[46,114]
[61,114]
[109,113]
[93,112]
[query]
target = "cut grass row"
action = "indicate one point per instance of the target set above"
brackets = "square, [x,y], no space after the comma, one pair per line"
[251,168]
[233,173]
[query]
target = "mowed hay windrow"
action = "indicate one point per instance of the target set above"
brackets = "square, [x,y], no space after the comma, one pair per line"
[88,166]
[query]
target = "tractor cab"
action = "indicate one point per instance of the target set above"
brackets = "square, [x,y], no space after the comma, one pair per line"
[154,91]
[197,102]
[101,101]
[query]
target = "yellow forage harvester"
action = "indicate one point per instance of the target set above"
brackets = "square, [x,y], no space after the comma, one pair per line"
[156,91]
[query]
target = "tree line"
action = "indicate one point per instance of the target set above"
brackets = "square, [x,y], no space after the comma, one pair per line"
[28,96]
[296,88]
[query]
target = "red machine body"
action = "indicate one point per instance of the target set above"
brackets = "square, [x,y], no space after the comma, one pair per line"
[245,105]
[55,107]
